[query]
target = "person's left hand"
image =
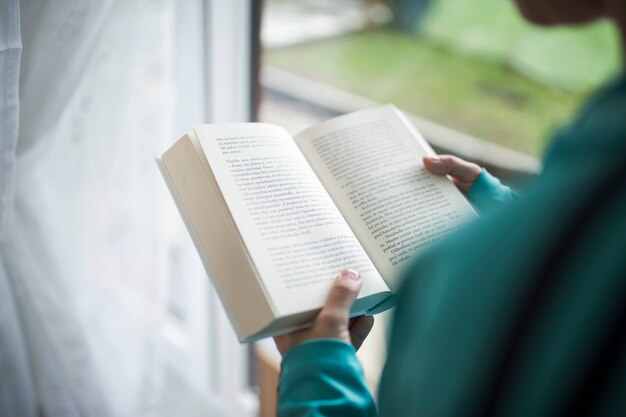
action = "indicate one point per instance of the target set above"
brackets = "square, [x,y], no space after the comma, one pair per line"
[463,173]
[333,320]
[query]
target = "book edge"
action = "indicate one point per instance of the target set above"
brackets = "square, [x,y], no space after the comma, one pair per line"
[242,334]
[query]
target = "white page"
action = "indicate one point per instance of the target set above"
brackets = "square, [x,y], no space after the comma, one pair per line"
[295,235]
[371,164]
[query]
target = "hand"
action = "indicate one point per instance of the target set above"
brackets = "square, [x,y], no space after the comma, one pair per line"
[333,320]
[464,174]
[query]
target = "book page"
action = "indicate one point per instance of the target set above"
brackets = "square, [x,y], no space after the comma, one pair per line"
[371,164]
[295,235]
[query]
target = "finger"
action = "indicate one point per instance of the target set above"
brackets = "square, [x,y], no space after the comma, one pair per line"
[352,321]
[359,329]
[464,172]
[336,310]
[282,343]
[451,165]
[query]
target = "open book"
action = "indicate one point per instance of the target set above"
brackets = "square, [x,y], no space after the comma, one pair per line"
[275,218]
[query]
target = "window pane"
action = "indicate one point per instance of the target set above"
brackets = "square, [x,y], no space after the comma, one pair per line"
[471,65]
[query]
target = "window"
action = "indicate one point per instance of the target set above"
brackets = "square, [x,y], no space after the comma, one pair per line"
[469,65]
[478,80]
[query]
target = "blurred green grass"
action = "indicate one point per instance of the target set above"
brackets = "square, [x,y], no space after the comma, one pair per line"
[574,59]
[477,68]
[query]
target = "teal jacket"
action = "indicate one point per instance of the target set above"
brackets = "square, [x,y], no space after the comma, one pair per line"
[522,313]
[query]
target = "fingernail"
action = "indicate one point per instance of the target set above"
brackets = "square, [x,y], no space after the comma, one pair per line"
[434,159]
[350,274]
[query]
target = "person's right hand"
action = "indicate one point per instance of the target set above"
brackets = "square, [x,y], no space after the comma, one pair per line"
[464,174]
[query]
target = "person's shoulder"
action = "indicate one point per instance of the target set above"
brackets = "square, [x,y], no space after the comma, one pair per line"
[605,108]
[599,127]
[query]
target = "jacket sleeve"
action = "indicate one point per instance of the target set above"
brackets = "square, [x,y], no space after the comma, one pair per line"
[323,377]
[488,193]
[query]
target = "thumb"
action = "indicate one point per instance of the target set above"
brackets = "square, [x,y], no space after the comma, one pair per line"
[463,172]
[333,319]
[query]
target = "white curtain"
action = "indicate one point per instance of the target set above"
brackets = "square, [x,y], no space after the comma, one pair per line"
[82,247]
[17,396]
